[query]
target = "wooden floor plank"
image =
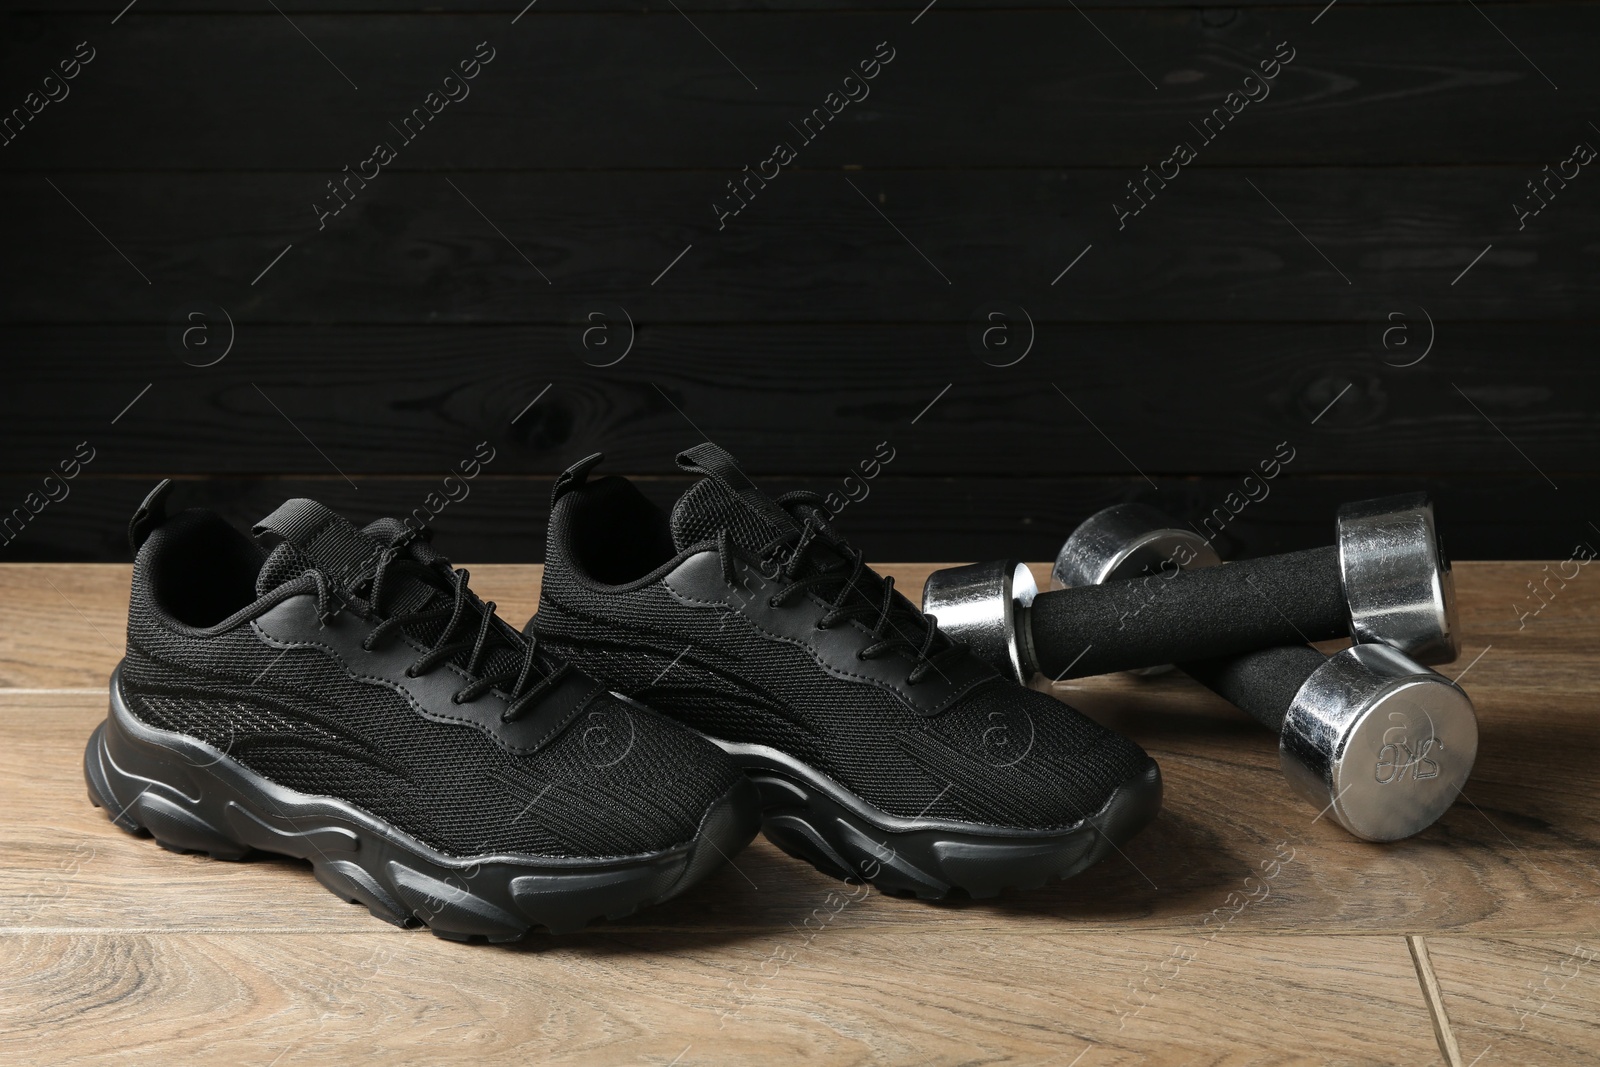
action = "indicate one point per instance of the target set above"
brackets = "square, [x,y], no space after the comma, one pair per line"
[64,625]
[822,996]
[1237,929]
[1517,1001]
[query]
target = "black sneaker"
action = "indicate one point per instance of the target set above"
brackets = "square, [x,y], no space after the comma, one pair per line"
[339,695]
[883,749]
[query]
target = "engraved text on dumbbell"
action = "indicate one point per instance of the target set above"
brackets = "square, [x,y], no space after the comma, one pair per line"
[1396,758]
[1401,755]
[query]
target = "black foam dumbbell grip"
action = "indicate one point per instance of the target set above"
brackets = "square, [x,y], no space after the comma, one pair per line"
[1261,683]
[1177,616]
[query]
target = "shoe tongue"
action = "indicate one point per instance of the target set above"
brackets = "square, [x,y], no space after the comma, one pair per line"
[725,499]
[327,539]
[303,534]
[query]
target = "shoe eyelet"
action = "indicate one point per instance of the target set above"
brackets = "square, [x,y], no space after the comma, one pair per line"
[409,673]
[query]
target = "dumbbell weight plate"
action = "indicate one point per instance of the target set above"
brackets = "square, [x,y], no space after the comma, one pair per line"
[1396,577]
[1365,726]
[978,604]
[1125,541]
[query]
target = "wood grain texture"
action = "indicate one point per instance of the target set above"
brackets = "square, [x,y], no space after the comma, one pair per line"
[1515,1001]
[64,627]
[398,400]
[628,89]
[839,998]
[587,158]
[411,249]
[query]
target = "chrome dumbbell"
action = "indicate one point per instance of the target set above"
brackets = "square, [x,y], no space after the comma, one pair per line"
[1368,735]
[1385,580]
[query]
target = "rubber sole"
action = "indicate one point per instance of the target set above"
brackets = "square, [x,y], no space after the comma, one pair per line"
[193,798]
[814,818]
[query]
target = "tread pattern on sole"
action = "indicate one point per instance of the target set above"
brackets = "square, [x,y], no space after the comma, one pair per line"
[936,862]
[149,781]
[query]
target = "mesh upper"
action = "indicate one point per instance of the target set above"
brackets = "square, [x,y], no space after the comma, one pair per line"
[1003,755]
[619,780]
[709,506]
[288,561]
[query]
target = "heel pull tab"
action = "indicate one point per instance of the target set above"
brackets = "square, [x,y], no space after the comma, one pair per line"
[151,512]
[574,476]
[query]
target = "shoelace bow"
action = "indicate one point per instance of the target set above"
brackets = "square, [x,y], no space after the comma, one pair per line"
[393,560]
[841,607]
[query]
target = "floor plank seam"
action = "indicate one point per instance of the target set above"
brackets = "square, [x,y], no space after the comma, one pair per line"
[1435,998]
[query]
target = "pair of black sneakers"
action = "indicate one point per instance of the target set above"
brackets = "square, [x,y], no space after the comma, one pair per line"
[339,694]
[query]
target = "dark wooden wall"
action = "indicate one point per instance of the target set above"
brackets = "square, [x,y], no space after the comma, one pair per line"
[1283,288]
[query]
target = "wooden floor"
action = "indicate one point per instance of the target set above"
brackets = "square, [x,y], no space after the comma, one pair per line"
[1477,942]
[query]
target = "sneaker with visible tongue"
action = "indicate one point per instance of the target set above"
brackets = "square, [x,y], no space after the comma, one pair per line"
[340,695]
[883,750]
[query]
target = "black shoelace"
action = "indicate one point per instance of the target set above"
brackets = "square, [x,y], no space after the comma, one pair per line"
[840,582]
[393,561]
